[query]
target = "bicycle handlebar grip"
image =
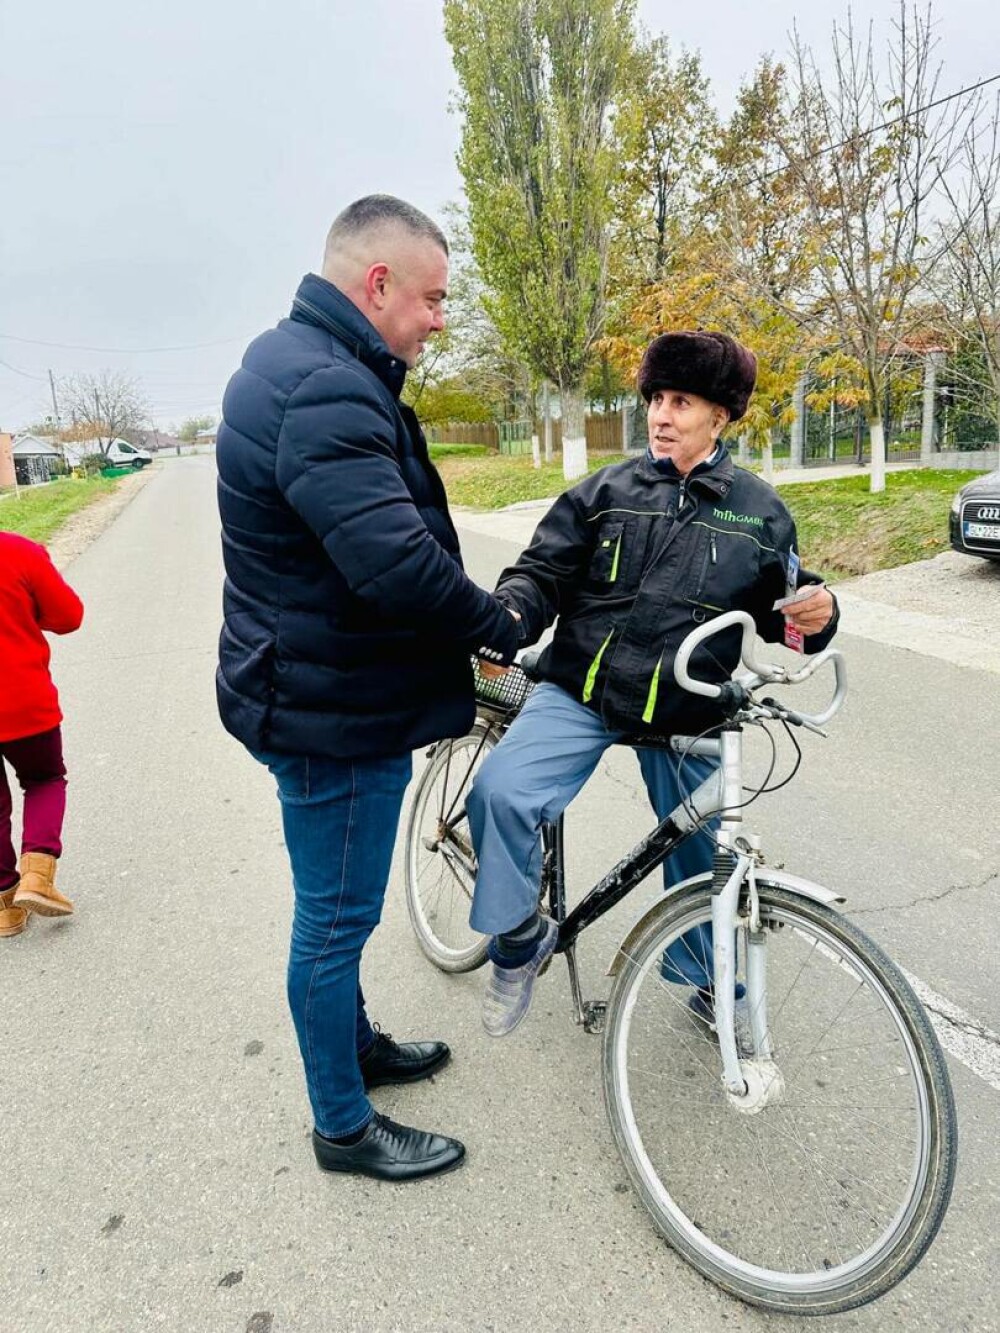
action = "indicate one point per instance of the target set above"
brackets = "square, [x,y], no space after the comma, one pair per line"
[839,687]
[698,636]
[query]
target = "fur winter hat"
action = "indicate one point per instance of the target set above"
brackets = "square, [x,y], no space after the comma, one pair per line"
[712,365]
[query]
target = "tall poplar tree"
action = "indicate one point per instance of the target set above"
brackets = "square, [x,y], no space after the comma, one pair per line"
[539,83]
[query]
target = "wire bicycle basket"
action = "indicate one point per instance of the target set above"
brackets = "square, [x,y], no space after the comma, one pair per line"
[502,698]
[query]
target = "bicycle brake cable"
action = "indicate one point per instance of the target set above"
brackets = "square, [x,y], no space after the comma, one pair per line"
[798,762]
[700,822]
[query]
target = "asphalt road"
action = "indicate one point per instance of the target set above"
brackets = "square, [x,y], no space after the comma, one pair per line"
[156,1165]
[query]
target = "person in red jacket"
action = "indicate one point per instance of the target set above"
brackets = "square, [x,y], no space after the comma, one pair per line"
[33,597]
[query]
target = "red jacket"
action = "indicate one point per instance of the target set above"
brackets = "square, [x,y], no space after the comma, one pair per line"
[33,597]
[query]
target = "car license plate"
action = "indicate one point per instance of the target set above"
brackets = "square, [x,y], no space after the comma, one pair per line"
[989,532]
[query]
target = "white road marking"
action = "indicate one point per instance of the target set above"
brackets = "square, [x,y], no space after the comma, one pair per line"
[961,1035]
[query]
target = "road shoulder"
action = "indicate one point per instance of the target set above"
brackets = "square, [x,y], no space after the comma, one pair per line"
[86,525]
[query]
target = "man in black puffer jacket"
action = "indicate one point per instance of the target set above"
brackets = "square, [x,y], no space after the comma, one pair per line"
[348,628]
[627,563]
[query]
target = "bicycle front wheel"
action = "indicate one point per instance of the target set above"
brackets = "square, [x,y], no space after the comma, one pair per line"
[440,865]
[823,1187]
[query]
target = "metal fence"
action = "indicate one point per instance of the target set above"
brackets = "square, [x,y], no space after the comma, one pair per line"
[515,436]
[841,435]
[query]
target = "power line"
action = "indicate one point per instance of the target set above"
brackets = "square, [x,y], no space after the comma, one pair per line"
[886,125]
[10,408]
[122,351]
[27,374]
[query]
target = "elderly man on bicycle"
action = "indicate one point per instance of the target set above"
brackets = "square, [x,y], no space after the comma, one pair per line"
[626,563]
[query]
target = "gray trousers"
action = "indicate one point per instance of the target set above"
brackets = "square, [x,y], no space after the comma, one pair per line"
[550,751]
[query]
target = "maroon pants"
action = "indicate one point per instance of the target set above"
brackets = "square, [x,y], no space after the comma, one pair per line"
[38,763]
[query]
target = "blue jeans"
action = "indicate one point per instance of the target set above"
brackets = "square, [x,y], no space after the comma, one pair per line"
[550,751]
[340,818]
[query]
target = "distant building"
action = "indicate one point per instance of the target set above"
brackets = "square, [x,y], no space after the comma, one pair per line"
[7,475]
[36,459]
[158,441]
[206,437]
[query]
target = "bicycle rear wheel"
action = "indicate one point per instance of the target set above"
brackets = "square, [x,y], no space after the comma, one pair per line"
[822,1190]
[440,865]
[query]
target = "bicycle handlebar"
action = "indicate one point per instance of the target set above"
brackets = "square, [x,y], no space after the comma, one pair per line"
[762,672]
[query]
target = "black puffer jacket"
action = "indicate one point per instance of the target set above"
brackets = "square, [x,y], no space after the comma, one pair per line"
[348,619]
[631,561]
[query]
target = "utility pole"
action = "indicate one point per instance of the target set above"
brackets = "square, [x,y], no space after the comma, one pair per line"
[55,413]
[55,405]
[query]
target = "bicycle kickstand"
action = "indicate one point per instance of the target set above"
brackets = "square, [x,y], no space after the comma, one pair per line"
[589,1014]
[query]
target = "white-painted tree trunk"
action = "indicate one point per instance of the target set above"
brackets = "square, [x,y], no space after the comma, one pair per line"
[767,457]
[931,362]
[574,440]
[536,450]
[547,420]
[876,433]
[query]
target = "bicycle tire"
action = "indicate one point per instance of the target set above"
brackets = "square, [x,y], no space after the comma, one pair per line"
[439,880]
[889,1257]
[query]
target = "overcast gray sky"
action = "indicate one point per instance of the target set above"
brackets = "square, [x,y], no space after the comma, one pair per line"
[169,168]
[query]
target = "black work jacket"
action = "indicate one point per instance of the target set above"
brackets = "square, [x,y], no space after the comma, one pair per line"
[630,560]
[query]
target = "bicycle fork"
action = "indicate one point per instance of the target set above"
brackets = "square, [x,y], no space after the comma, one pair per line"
[735,865]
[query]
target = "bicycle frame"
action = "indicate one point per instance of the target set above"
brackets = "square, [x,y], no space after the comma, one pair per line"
[720,793]
[707,800]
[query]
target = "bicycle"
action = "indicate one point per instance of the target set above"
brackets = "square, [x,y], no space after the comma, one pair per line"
[827,1110]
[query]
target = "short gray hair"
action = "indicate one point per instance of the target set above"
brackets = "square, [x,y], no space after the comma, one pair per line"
[376,211]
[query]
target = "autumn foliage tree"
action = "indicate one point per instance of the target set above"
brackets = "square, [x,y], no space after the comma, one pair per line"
[739,258]
[867,146]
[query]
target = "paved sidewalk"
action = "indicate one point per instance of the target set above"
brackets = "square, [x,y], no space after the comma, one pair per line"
[789,476]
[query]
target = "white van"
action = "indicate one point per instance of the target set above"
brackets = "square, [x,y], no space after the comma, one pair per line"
[123,454]
[118,454]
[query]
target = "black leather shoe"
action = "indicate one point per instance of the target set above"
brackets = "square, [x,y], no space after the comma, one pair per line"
[401,1062]
[390,1152]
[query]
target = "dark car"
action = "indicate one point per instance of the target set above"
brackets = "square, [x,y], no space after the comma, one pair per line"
[974,525]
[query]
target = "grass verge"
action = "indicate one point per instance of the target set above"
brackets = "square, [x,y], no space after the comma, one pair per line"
[441,452]
[37,511]
[844,530]
[498,480]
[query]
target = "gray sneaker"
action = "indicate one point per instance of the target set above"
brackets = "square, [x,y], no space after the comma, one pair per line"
[508,992]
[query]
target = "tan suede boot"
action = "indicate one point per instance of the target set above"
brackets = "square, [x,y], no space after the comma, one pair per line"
[12,919]
[37,890]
